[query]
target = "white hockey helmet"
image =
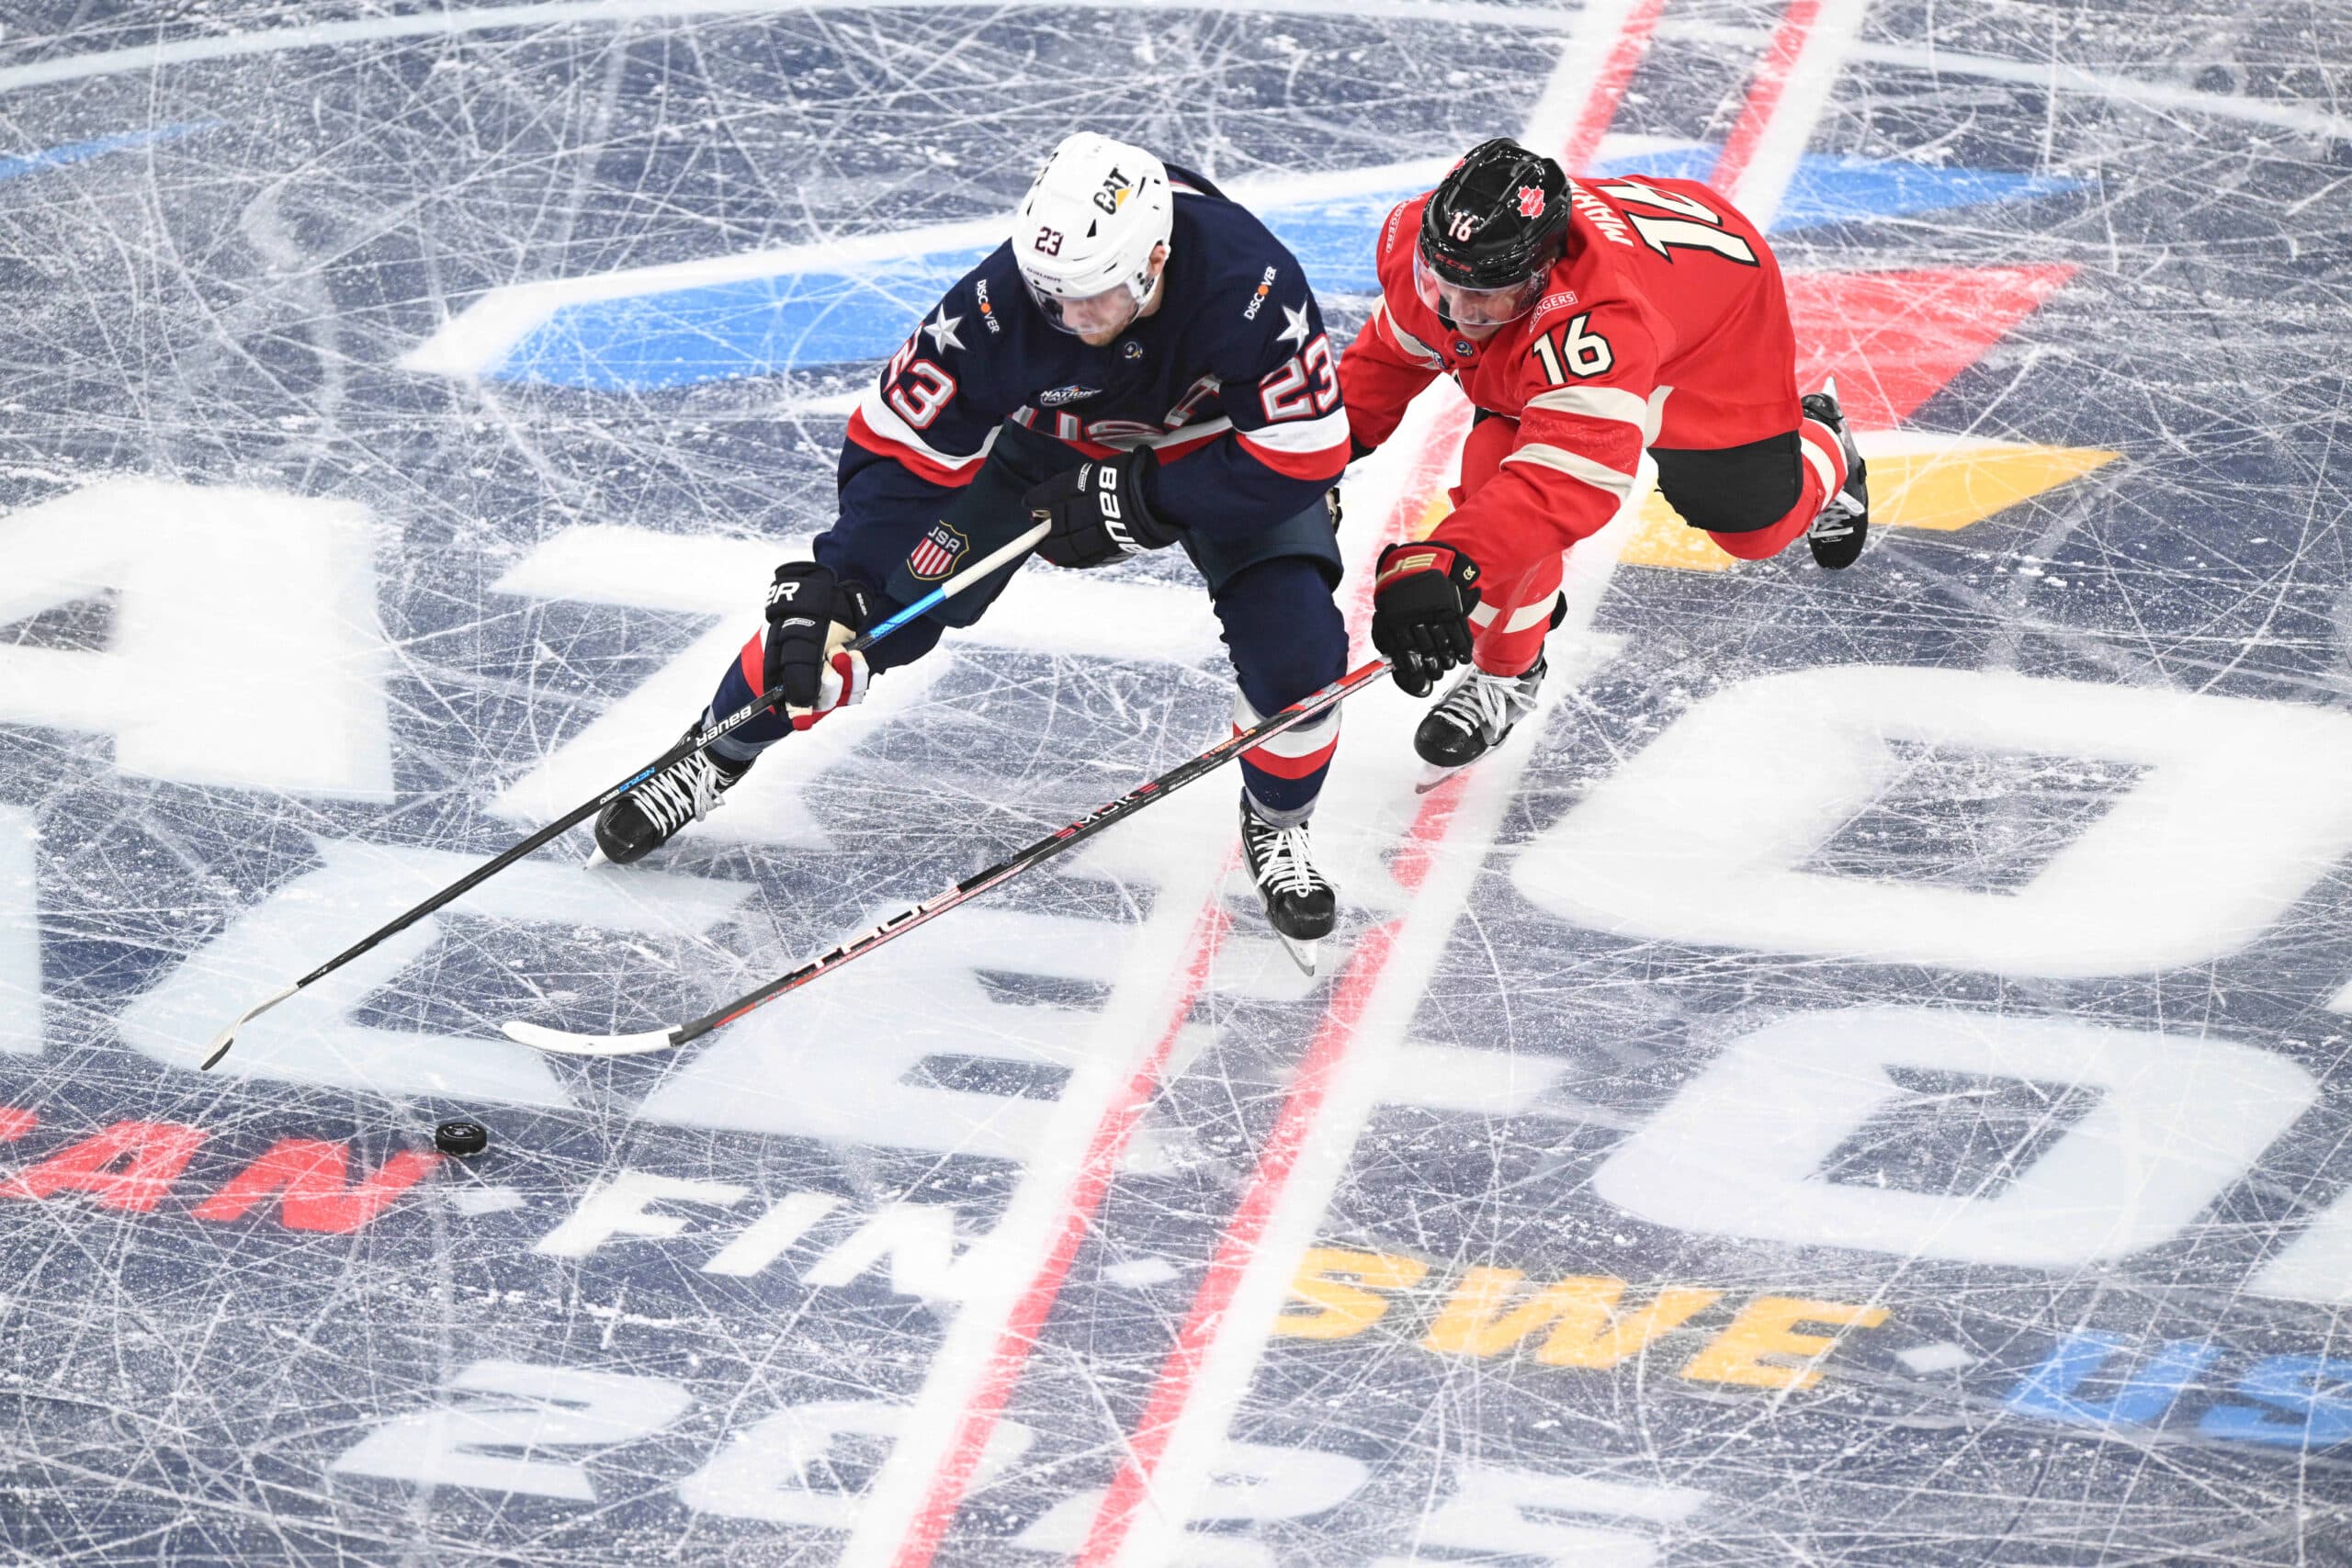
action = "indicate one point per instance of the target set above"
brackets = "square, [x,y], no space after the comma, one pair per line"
[1087,229]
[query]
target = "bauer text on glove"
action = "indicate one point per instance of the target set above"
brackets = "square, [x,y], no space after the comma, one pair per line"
[1099,510]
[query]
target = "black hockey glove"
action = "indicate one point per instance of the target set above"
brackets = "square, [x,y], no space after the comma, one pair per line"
[811,615]
[1098,512]
[1421,601]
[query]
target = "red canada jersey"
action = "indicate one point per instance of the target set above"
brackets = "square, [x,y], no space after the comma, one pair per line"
[1663,324]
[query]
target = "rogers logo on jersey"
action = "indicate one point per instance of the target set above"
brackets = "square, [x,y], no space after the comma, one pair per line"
[1551,302]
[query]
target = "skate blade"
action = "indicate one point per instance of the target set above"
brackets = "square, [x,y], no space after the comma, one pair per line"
[1432,775]
[1303,954]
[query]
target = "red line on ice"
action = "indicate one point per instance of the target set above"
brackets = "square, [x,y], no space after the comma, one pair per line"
[1027,1321]
[1764,93]
[1181,1371]
[1300,1111]
[1609,88]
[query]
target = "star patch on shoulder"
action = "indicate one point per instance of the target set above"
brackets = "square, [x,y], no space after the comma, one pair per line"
[941,327]
[1294,326]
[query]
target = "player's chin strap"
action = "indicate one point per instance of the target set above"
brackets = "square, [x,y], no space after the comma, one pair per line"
[1005,555]
[972,886]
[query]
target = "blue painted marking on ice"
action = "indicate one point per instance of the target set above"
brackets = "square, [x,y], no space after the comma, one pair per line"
[801,319]
[1827,189]
[2051,1391]
[97,147]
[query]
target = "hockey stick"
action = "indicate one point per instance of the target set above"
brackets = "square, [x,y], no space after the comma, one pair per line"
[972,886]
[219,1045]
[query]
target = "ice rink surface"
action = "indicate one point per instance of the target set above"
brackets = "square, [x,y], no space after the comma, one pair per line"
[1862,1083]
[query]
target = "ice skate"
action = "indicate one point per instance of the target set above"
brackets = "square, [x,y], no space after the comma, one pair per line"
[1836,535]
[1473,718]
[1300,903]
[648,816]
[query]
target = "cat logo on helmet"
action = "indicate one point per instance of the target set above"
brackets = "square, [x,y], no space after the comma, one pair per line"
[1116,188]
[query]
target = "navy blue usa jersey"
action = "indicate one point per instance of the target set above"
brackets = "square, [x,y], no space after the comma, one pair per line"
[1231,379]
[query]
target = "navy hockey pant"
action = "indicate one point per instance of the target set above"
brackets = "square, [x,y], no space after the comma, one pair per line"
[1272,594]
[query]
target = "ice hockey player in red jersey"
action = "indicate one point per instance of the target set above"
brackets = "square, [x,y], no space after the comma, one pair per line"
[1585,321]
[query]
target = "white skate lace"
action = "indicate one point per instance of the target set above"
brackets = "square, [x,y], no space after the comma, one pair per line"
[1837,519]
[684,792]
[1286,864]
[1485,705]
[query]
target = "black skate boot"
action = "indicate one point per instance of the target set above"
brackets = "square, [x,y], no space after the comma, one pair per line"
[646,818]
[1472,720]
[1300,905]
[1836,538]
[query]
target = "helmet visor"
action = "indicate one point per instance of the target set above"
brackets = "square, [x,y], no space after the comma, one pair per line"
[1473,308]
[1088,315]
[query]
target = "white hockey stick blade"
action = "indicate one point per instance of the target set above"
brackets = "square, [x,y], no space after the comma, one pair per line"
[218,1047]
[540,1037]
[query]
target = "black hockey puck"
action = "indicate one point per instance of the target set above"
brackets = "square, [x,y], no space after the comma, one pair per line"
[462,1137]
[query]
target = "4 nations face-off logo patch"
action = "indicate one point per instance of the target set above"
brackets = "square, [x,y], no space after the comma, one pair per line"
[937,555]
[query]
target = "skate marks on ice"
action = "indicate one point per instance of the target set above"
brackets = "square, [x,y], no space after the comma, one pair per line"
[1880,1103]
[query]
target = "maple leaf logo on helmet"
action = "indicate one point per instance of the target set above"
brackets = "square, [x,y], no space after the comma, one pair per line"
[1530,202]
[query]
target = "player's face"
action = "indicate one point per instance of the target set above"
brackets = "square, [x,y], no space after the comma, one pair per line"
[1476,313]
[1097,319]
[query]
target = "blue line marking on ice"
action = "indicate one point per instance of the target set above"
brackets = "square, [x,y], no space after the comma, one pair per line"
[97,147]
[800,319]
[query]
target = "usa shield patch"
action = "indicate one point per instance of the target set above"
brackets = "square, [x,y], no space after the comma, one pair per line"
[937,555]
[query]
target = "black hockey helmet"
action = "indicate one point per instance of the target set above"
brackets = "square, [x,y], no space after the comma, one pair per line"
[1492,229]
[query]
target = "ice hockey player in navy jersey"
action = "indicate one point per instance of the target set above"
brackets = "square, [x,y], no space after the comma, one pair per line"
[1142,364]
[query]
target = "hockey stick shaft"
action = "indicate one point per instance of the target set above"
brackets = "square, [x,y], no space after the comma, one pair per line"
[1012,865]
[687,747]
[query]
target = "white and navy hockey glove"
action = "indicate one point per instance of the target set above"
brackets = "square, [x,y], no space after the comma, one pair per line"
[1098,512]
[812,618]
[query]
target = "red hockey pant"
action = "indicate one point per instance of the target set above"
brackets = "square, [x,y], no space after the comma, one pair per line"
[1514,614]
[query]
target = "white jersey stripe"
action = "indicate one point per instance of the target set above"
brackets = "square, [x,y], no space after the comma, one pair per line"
[1200,431]
[1521,619]
[1576,466]
[1596,403]
[1405,340]
[1302,434]
[886,422]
